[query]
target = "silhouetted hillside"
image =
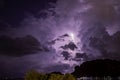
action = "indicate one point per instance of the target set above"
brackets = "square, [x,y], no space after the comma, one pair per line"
[98,68]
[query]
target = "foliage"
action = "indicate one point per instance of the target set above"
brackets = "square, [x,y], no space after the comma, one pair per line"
[56,77]
[68,77]
[34,75]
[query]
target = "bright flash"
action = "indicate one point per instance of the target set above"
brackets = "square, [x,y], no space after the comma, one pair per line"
[72,36]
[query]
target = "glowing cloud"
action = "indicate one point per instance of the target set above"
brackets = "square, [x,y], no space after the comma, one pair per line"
[72,37]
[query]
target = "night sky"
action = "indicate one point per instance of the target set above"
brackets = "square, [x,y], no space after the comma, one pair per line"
[56,35]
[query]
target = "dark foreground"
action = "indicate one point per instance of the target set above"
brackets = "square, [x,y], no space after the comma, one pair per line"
[82,78]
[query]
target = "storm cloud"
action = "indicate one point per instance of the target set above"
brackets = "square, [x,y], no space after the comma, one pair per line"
[108,46]
[95,23]
[20,46]
[71,46]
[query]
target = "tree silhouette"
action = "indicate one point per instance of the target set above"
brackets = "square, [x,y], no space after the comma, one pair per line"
[98,68]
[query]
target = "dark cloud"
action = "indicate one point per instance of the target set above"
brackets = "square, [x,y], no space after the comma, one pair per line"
[114,43]
[71,46]
[65,35]
[3,26]
[113,46]
[66,55]
[58,68]
[60,38]
[104,10]
[109,46]
[20,46]
[54,41]
[81,55]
